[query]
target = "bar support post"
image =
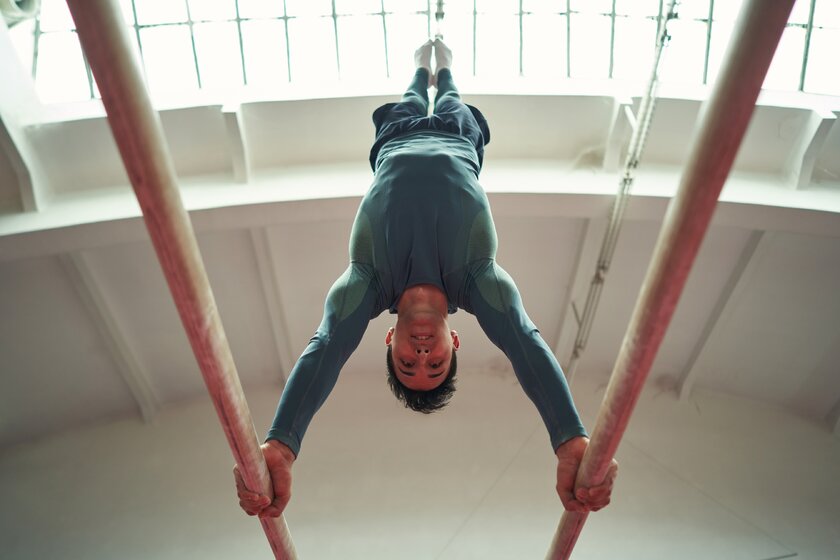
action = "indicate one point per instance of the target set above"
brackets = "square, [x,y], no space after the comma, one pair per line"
[139,136]
[721,127]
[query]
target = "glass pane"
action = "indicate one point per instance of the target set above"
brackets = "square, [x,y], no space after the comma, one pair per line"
[822,75]
[160,11]
[590,7]
[635,45]
[61,74]
[786,67]
[495,6]
[827,14]
[264,43]
[23,39]
[312,49]
[458,30]
[544,45]
[799,14]
[695,9]
[405,34]
[361,47]
[217,48]
[497,45]
[639,7]
[590,46]
[308,7]
[409,6]
[219,10]
[253,9]
[55,16]
[686,53]
[544,6]
[721,34]
[358,6]
[168,57]
[455,7]
[727,10]
[128,11]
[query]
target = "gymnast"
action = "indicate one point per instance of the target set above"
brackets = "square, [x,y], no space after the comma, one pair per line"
[423,245]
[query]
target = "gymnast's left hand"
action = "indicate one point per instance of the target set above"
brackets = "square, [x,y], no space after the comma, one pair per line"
[569,456]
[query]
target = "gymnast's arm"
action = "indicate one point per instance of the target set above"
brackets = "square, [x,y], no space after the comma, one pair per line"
[349,306]
[495,301]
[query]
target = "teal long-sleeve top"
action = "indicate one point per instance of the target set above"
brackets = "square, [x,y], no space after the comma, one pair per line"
[424,220]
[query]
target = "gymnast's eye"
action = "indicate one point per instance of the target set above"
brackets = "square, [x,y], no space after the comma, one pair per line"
[435,366]
[407,364]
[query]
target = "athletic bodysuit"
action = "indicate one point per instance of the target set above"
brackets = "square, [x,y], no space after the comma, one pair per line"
[424,220]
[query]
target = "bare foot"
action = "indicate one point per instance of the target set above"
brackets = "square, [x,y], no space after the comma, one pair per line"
[423,57]
[443,56]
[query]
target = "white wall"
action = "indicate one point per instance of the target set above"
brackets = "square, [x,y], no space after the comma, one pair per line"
[716,477]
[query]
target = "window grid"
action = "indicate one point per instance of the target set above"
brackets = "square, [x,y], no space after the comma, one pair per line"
[569,38]
[612,39]
[521,39]
[335,38]
[382,14]
[709,24]
[36,36]
[192,42]
[808,29]
[288,49]
[385,37]
[241,44]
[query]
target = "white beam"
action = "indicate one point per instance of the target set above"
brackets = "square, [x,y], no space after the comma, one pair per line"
[267,265]
[589,245]
[84,281]
[803,155]
[691,371]
[18,102]
[25,164]
[237,143]
[621,127]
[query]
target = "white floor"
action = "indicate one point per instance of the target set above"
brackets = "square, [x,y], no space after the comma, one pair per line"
[715,477]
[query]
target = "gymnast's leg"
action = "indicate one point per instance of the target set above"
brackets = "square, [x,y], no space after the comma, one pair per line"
[417,94]
[395,118]
[447,97]
[464,119]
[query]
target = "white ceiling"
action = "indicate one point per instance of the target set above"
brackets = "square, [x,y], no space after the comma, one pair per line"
[88,330]
[743,397]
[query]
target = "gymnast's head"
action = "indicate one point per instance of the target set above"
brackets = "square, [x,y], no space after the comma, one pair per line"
[420,356]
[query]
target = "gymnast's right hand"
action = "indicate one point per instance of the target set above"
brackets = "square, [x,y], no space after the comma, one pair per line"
[279,459]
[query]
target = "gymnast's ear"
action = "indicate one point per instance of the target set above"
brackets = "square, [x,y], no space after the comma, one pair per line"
[389,335]
[456,341]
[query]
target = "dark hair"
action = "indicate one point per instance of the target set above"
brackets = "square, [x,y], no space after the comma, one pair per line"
[422,401]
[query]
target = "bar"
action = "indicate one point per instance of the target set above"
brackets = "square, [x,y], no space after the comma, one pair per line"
[139,136]
[721,127]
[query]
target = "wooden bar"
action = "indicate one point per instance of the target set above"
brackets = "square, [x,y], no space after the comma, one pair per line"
[721,126]
[139,136]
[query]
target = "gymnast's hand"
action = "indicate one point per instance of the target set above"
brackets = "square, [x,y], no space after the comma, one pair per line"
[581,499]
[279,459]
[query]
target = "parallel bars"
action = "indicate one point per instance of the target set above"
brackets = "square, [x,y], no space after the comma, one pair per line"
[721,127]
[139,137]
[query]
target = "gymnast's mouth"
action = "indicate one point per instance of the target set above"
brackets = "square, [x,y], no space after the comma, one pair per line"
[422,337]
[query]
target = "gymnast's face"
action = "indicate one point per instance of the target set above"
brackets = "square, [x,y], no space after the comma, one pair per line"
[422,347]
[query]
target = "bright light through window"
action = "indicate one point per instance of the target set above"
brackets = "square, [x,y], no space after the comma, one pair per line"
[220,45]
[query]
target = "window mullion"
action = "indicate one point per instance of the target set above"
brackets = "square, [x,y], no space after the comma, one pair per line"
[192,41]
[808,30]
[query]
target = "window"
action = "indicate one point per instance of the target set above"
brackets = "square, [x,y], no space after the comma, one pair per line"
[189,45]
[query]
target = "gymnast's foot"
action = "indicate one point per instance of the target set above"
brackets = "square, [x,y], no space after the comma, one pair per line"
[443,56]
[423,58]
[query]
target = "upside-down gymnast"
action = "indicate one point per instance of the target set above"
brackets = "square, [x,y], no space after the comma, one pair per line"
[423,245]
